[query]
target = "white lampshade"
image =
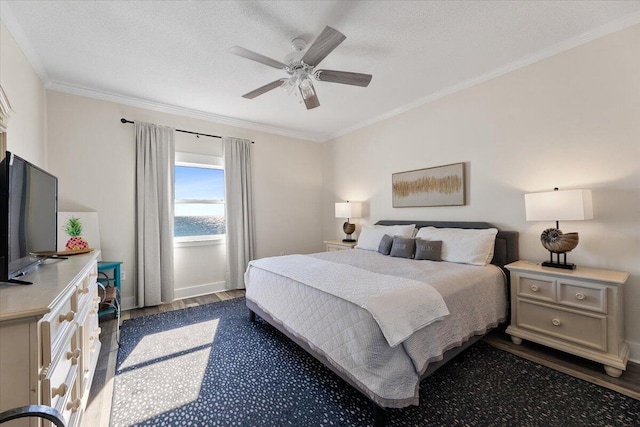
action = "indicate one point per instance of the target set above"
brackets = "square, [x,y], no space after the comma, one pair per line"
[565,205]
[348,210]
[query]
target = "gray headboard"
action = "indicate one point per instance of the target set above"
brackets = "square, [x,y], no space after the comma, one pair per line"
[506,249]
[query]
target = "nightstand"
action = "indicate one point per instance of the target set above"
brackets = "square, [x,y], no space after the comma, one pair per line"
[338,245]
[577,311]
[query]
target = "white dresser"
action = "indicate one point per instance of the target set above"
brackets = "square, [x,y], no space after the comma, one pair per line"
[49,338]
[578,311]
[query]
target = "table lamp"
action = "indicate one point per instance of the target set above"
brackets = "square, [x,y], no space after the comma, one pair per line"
[566,205]
[348,210]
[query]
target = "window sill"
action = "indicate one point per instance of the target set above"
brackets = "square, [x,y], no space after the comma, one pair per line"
[186,242]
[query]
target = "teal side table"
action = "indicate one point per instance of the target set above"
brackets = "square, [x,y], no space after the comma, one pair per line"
[110,277]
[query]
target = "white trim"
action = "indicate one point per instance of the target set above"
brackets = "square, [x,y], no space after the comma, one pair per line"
[196,291]
[10,21]
[181,111]
[199,160]
[634,355]
[548,52]
[189,241]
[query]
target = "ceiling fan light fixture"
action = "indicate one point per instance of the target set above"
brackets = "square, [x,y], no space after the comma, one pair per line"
[306,87]
[289,85]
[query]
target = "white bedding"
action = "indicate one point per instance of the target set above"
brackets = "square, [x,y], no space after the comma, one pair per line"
[350,337]
[399,305]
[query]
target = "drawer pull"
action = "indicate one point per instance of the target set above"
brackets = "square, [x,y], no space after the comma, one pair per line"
[535,288]
[555,322]
[73,356]
[68,317]
[83,291]
[59,391]
[580,296]
[73,405]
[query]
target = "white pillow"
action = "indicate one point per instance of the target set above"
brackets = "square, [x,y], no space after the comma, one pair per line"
[464,246]
[370,236]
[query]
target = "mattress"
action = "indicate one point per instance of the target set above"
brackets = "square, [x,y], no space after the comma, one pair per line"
[350,338]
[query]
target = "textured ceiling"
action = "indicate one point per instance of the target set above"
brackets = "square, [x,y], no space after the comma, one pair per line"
[172,55]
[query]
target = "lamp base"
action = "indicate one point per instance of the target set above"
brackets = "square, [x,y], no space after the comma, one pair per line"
[349,240]
[566,266]
[557,264]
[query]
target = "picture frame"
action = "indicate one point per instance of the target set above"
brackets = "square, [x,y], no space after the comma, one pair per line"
[436,186]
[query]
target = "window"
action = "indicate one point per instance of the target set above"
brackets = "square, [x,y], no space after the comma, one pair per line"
[199,198]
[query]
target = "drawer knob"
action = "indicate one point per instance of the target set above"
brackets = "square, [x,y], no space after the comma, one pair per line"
[555,322]
[535,288]
[60,391]
[73,405]
[68,317]
[580,296]
[83,291]
[73,356]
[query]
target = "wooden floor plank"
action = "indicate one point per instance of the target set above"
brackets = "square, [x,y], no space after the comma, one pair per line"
[628,383]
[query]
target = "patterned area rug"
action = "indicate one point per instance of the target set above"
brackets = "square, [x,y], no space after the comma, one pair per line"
[209,366]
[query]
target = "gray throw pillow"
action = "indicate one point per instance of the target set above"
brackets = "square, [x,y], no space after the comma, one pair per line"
[428,249]
[403,247]
[385,244]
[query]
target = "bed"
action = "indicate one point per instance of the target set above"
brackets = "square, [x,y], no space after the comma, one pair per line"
[375,319]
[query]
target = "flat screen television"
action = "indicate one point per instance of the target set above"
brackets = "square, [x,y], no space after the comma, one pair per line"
[28,215]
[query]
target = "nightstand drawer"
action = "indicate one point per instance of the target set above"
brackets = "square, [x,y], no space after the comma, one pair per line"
[537,287]
[586,329]
[583,296]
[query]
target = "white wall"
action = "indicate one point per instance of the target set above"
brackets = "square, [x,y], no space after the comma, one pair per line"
[571,121]
[26,132]
[93,155]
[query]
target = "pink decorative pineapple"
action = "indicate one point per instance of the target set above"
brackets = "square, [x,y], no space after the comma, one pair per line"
[73,228]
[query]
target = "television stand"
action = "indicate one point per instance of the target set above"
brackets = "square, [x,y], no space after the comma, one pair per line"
[18,282]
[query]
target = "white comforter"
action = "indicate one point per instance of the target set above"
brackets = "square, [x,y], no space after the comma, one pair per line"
[399,305]
[352,340]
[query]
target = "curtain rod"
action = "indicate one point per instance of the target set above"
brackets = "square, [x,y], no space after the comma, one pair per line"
[198,134]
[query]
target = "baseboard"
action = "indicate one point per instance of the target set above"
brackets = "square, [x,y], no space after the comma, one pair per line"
[182,293]
[196,291]
[634,355]
[128,303]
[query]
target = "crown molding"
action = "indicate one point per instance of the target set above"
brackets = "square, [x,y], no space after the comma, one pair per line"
[555,49]
[179,111]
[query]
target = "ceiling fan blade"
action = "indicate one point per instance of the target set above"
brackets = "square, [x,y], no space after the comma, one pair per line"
[264,89]
[249,54]
[328,40]
[344,77]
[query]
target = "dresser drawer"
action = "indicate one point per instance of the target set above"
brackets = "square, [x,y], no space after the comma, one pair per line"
[86,286]
[586,329]
[537,287]
[58,379]
[582,295]
[55,324]
[71,406]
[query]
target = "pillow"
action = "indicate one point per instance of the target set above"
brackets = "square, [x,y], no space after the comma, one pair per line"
[385,244]
[370,236]
[428,249]
[464,246]
[403,247]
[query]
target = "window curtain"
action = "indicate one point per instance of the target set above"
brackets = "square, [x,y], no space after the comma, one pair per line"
[238,209]
[155,154]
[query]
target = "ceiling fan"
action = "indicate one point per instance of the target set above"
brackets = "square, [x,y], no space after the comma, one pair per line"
[302,66]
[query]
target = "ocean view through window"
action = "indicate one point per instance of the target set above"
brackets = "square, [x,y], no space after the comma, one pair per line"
[199,202]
